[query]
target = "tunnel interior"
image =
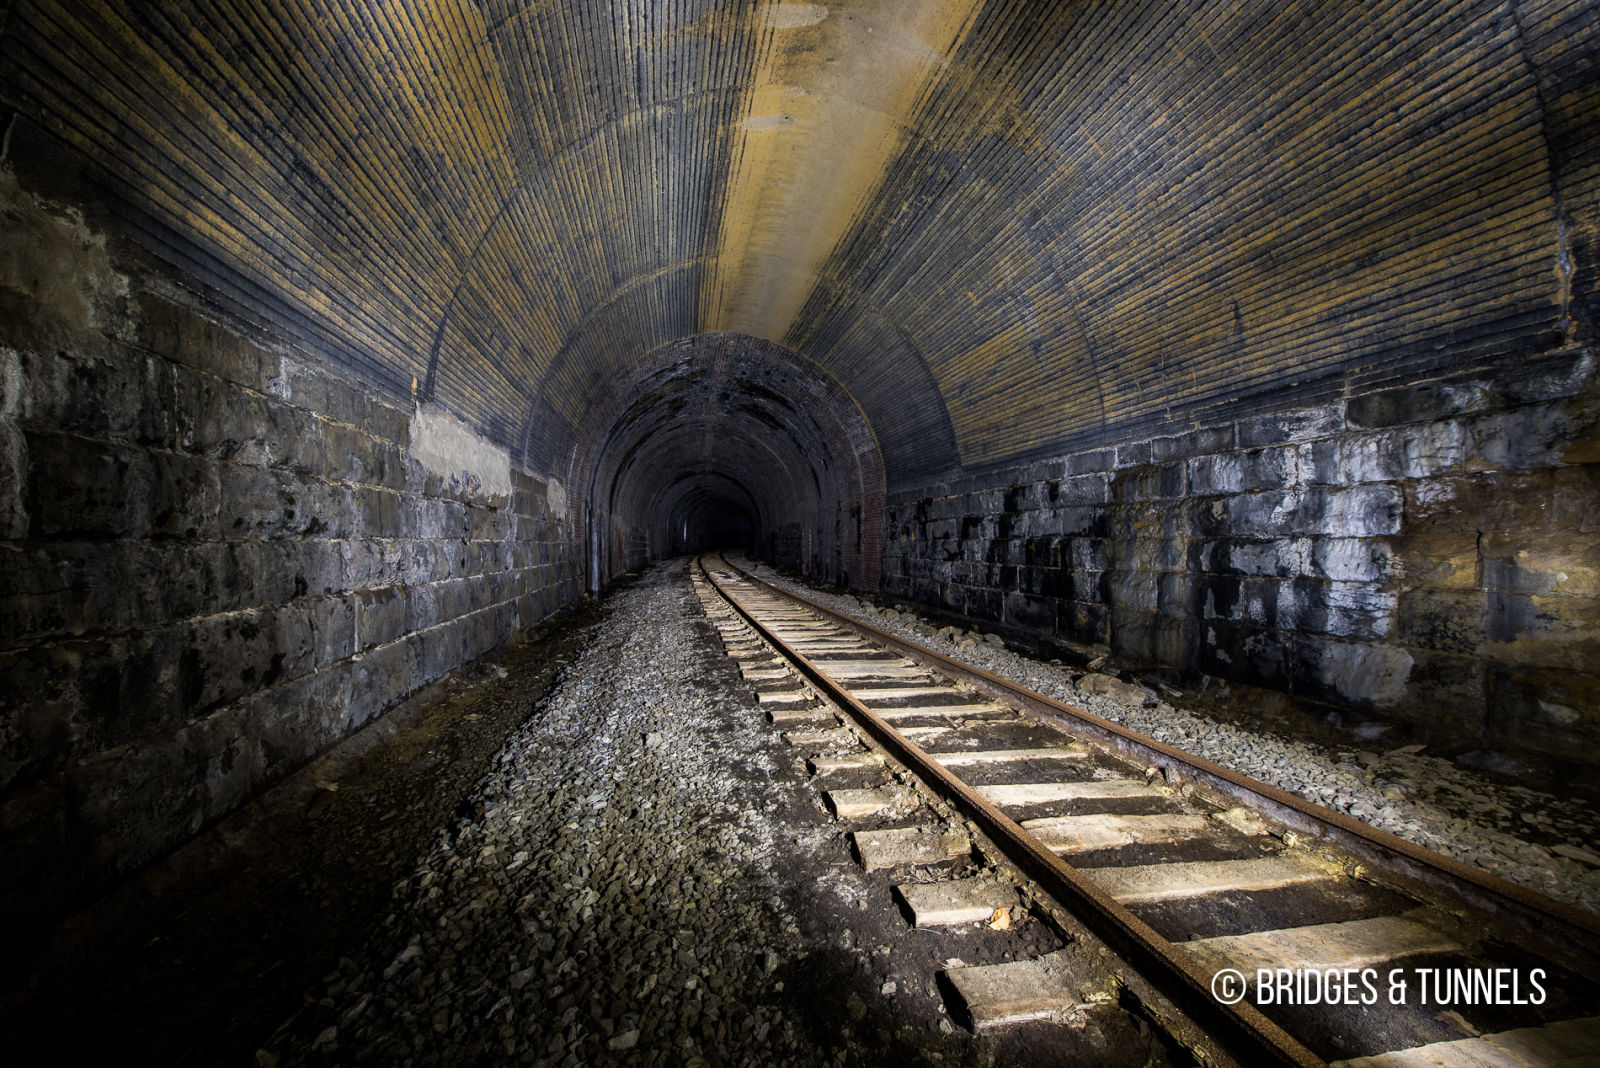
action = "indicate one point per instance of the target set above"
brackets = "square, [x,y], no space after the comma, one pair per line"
[341,343]
[712,522]
[725,436]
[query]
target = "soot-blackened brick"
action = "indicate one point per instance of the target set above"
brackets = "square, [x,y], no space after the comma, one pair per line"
[1082,621]
[335,400]
[379,679]
[1024,497]
[378,511]
[381,615]
[1550,710]
[1220,597]
[1221,650]
[176,333]
[1090,489]
[1361,611]
[149,695]
[79,487]
[203,577]
[1083,463]
[1177,594]
[1132,454]
[973,527]
[260,503]
[237,653]
[1085,522]
[1043,551]
[1272,514]
[1037,614]
[351,454]
[1363,546]
[42,590]
[1086,554]
[1415,404]
[333,629]
[985,604]
[1303,605]
[1134,589]
[1264,660]
[1058,583]
[191,521]
[1136,633]
[185,496]
[1195,443]
[1444,620]
[1259,602]
[100,396]
[488,524]
[1537,436]
[1320,463]
[1205,517]
[974,574]
[1299,425]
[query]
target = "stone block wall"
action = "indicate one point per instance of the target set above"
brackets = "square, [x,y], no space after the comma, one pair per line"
[216,561]
[1432,550]
[635,549]
[787,548]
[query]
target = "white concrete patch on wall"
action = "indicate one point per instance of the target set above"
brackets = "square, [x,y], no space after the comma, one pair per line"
[556,496]
[451,449]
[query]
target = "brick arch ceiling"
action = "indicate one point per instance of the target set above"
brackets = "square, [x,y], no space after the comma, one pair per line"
[1004,228]
[727,419]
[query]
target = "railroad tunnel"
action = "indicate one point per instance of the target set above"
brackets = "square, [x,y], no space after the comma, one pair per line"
[350,351]
[729,440]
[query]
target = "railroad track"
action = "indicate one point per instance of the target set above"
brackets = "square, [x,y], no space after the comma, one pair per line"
[1288,933]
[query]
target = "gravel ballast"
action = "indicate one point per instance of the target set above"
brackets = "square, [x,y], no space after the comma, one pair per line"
[647,876]
[594,849]
[1541,840]
[604,812]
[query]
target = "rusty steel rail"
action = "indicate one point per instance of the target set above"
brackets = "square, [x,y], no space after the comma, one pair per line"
[1241,1028]
[1564,934]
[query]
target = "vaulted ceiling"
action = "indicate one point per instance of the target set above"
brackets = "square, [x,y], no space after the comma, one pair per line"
[1002,227]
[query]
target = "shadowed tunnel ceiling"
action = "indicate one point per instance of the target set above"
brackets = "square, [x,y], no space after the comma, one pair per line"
[1002,228]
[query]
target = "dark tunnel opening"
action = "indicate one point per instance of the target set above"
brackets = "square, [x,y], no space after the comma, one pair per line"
[712,511]
[713,525]
[727,441]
